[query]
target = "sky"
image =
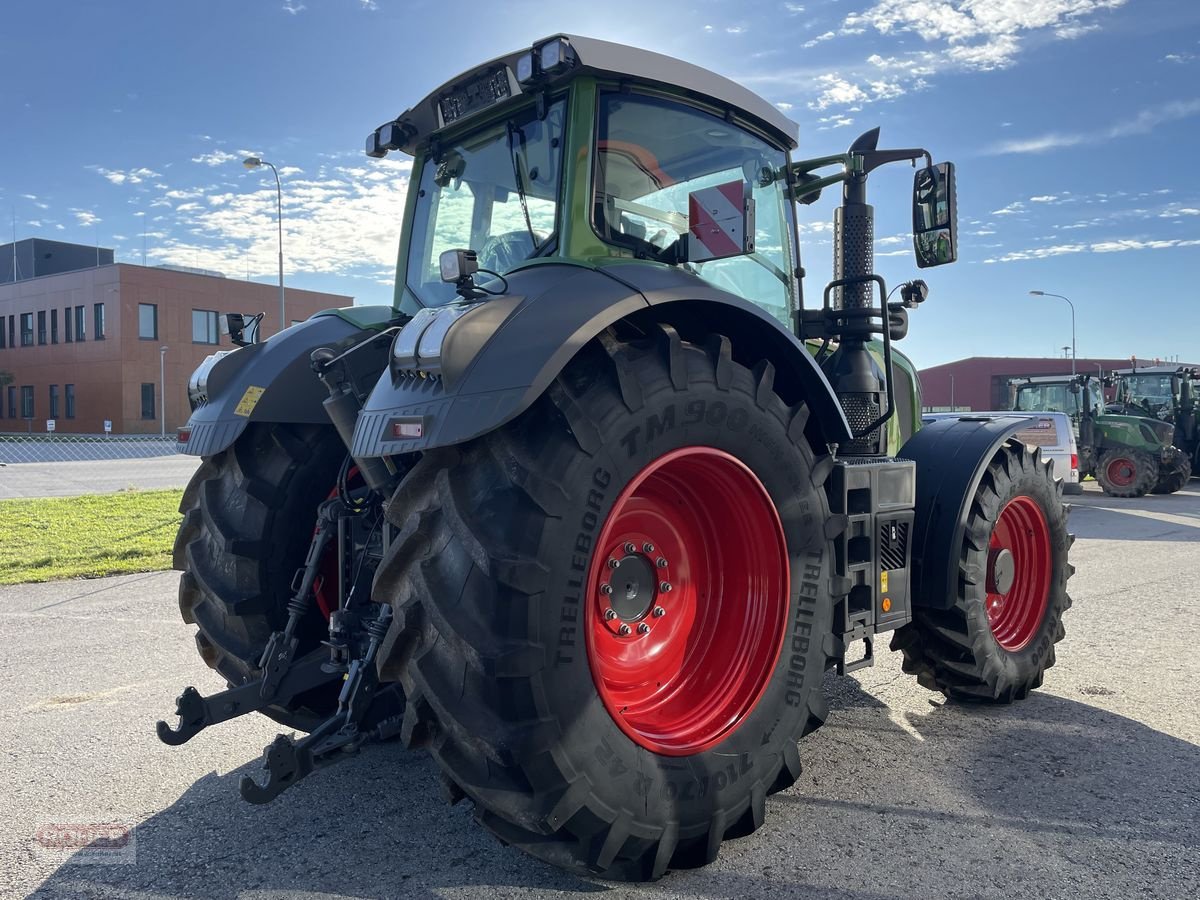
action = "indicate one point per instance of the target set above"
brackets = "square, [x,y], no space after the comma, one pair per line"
[1069,121]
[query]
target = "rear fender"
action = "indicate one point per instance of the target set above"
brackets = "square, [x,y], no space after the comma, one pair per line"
[951,457]
[493,361]
[271,381]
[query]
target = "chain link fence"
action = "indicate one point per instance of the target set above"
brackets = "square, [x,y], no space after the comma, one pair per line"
[40,448]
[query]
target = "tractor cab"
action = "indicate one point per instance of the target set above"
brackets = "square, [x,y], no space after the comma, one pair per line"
[588,153]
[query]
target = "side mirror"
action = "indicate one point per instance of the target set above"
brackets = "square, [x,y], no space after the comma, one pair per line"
[1073,387]
[720,222]
[242,329]
[934,216]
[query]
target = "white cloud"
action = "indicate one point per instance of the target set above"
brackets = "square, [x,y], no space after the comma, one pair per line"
[1114,246]
[836,90]
[1142,123]
[793,8]
[1045,198]
[215,158]
[1179,211]
[829,35]
[1012,209]
[736,29]
[290,6]
[370,5]
[1180,58]
[86,217]
[132,176]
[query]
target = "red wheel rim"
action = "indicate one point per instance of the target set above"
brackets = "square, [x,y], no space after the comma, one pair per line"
[1019,569]
[687,601]
[1121,471]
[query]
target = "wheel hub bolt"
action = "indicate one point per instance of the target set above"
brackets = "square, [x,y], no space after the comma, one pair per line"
[647,548]
[661,562]
[659,612]
[643,628]
[614,564]
[664,587]
[606,589]
[610,614]
[630,547]
[624,629]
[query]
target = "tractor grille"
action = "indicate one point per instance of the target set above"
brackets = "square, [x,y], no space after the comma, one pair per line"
[893,553]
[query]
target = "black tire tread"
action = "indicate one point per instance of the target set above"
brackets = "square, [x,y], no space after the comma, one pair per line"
[946,650]
[458,674]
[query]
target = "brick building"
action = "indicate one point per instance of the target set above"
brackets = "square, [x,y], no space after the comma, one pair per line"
[86,346]
[981,382]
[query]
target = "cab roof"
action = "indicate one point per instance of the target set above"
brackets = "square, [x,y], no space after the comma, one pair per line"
[604,58]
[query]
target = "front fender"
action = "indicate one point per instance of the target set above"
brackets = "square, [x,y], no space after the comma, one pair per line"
[951,457]
[488,365]
[271,381]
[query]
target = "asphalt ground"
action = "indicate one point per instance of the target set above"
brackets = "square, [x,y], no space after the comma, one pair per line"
[1087,789]
[69,479]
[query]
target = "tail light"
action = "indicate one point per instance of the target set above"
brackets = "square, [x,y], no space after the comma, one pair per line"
[1075,461]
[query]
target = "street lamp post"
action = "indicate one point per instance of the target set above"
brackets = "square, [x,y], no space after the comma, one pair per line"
[253,162]
[1070,304]
[162,388]
[952,406]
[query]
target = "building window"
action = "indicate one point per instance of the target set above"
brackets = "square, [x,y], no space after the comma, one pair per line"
[41,326]
[2,341]
[67,332]
[204,326]
[70,395]
[27,401]
[80,325]
[12,402]
[54,326]
[26,329]
[98,320]
[12,338]
[54,401]
[148,401]
[148,321]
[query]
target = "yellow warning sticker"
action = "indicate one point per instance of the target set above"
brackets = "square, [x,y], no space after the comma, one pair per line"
[249,401]
[883,582]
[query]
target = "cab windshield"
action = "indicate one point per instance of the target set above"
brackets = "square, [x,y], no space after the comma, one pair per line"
[652,152]
[1152,391]
[494,191]
[1058,398]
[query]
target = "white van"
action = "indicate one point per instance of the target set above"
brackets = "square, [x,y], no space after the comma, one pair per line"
[1051,431]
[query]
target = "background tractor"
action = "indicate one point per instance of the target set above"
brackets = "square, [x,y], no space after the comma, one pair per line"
[1129,455]
[1167,393]
[580,514]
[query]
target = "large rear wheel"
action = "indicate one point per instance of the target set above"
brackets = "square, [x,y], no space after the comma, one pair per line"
[1178,474]
[996,641]
[612,613]
[248,518]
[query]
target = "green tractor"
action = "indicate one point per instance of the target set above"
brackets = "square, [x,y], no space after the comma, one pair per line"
[1168,393]
[580,514]
[1129,455]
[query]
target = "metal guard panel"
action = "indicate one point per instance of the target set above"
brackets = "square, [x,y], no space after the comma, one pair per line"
[290,392]
[951,457]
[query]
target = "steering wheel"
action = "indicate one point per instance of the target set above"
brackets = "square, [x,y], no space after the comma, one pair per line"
[502,252]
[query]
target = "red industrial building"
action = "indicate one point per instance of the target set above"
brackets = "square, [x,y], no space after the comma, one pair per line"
[112,342]
[981,382]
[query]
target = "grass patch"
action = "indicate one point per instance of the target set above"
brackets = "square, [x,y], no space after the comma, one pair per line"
[87,536]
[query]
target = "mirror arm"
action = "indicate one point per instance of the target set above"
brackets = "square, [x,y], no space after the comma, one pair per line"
[873,159]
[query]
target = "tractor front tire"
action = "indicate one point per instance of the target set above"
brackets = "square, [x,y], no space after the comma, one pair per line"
[1179,474]
[612,614]
[996,641]
[1126,473]
[248,518]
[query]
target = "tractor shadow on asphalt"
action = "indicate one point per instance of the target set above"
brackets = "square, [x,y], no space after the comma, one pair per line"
[1048,766]
[377,825]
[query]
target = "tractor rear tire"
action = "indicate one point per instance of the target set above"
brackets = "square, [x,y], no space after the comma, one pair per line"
[1178,476]
[1126,473]
[994,644]
[248,518]
[600,717]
